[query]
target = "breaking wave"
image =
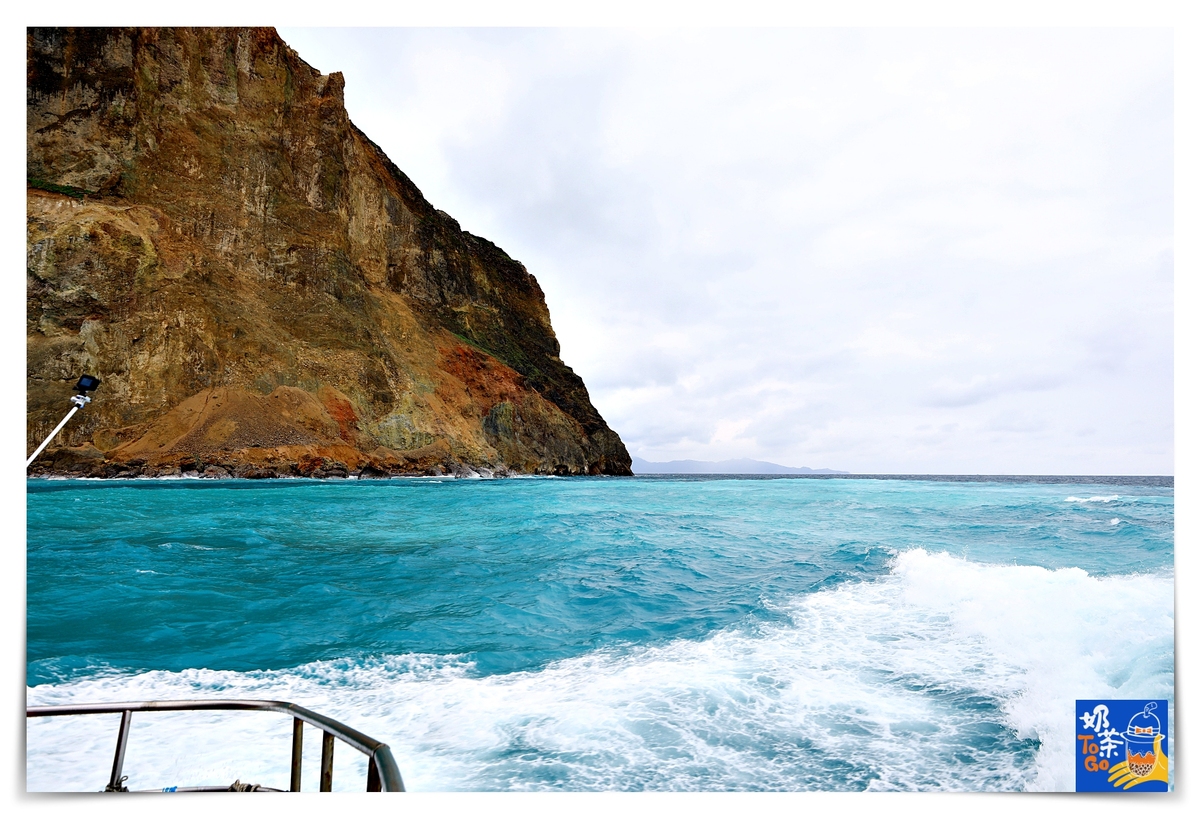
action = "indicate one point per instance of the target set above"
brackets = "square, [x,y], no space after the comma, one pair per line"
[942,674]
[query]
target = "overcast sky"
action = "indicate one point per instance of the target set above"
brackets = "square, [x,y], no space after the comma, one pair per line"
[879,250]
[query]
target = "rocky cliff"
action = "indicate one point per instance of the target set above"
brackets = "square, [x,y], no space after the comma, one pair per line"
[259,288]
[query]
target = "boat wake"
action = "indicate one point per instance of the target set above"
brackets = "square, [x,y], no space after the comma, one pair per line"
[944,674]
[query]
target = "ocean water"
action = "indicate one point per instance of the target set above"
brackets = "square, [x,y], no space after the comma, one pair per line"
[659,633]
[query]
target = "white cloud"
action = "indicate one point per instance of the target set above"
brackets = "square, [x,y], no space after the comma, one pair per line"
[880,250]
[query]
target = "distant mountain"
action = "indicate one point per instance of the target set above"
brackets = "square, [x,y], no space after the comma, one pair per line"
[740,466]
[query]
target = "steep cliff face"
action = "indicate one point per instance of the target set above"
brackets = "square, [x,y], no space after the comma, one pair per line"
[259,287]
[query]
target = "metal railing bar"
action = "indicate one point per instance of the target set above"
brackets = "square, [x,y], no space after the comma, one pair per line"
[372,776]
[389,772]
[359,741]
[114,780]
[381,761]
[297,752]
[326,762]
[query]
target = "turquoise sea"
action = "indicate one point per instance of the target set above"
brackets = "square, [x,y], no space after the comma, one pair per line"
[652,633]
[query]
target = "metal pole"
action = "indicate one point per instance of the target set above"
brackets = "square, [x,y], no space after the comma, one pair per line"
[389,773]
[57,429]
[297,752]
[326,762]
[114,781]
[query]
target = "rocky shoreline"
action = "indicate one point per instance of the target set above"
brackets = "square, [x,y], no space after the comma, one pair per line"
[88,461]
[227,470]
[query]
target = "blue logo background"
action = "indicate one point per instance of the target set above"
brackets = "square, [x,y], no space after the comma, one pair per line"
[1121,745]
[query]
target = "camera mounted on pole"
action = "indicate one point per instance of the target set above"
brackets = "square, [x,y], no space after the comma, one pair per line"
[85,384]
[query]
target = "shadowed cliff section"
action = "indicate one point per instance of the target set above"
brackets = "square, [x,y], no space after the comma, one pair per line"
[211,235]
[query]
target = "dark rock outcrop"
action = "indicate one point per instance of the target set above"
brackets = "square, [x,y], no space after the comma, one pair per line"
[261,290]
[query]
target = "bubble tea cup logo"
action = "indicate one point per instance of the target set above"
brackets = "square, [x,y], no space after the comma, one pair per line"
[1108,759]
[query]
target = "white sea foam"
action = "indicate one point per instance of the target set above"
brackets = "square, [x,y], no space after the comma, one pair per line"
[1031,638]
[945,674]
[1108,499]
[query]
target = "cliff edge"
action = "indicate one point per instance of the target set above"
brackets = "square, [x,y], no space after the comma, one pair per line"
[260,289]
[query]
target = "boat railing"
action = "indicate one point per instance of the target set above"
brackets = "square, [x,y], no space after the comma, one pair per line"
[382,773]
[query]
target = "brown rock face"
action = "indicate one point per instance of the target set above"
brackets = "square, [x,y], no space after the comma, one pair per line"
[259,287]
